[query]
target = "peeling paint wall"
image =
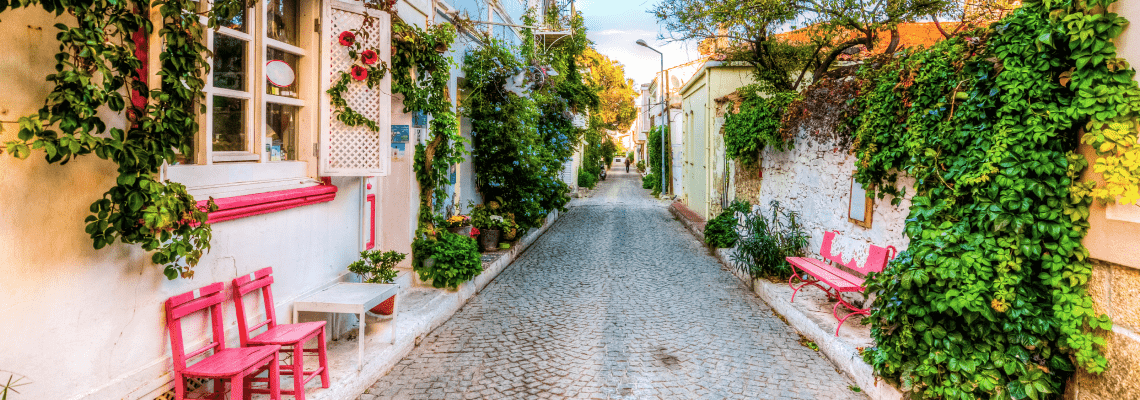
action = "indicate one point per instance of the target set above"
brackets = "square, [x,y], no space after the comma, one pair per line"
[813,179]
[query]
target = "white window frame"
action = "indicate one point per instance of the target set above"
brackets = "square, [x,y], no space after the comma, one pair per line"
[233,173]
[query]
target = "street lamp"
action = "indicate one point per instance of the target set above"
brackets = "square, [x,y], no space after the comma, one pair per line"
[665,97]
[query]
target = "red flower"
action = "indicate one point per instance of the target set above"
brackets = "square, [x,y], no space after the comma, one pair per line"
[359,73]
[368,57]
[474,232]
[347,38]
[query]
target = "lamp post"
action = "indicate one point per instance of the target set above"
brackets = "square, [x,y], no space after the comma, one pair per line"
[665,102]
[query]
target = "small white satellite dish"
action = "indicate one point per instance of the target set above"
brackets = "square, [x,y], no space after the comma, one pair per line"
[279,73]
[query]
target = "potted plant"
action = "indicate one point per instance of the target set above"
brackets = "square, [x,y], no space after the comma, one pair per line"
[376,267]
[460,224]
[512,231]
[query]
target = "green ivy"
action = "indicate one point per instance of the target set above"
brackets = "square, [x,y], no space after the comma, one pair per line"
[656,135]
[756,124]
[990,298]
[95,66]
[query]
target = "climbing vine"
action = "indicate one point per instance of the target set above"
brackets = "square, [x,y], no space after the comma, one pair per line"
[990,298]
[426,91]
[96,66]
[756,125]
[1107,95]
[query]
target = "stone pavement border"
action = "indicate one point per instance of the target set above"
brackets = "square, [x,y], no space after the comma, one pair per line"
[845,357]
[414,325]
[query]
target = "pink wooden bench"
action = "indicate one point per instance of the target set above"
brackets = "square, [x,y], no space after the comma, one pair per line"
[813,272]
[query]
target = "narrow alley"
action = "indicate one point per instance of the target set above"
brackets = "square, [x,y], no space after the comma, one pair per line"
[616,301]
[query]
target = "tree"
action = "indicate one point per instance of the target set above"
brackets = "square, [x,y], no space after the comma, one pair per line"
[748,30]
[616,110]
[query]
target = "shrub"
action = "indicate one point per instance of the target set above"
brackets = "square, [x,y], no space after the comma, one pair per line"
[649,181]
[586,178]
[641,167]
[457,259]
[721,231]
[767,241]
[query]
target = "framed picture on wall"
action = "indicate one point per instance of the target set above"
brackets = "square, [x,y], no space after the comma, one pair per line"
[859,207]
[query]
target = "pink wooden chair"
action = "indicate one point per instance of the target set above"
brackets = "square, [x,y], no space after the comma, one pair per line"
[232,364]
[292,337]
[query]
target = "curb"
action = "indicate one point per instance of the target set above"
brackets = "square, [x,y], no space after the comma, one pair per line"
[844,356]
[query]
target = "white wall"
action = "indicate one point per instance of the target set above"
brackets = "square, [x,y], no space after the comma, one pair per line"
[814,180]
[85,323]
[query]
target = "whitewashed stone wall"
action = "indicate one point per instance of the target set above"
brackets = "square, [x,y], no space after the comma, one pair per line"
[813,179]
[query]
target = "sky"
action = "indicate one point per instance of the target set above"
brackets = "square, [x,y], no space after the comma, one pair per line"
[615,26]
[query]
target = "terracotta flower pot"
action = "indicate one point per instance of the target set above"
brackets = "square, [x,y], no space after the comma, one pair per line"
[387,307]
[489,239]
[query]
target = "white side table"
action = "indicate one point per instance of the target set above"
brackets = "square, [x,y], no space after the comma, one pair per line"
[351,298]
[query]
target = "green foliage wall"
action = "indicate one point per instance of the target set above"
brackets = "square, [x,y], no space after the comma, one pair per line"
[756,125]
[656,136]
[990,299]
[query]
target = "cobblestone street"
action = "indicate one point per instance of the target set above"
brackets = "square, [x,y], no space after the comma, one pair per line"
[615,301]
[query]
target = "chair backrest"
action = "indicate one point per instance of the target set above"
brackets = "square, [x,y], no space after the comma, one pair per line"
[260,279]
[877,258]
[209,297]
[825,249]
[829,237]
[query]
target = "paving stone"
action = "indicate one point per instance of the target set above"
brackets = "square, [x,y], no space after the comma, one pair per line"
[616,301]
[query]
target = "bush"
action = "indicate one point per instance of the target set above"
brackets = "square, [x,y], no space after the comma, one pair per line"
[721,231]
[641,167]
[586,178]
[457,259]
[766,242]
[649,181]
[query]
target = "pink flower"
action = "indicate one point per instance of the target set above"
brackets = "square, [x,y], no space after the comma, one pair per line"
[347,38]
[368,57]
[359,73]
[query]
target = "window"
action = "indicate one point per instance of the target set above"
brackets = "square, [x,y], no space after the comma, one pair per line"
[256,96]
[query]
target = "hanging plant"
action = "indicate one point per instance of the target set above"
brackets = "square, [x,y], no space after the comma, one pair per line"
[367,68]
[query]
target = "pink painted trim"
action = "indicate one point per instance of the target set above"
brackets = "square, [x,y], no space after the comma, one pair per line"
[371,199]
[264,203]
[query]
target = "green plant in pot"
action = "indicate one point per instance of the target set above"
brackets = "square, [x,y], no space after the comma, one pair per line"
[490,221]
[375,266]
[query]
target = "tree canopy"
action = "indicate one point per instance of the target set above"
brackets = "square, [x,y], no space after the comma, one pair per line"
[748,30]
[616,110]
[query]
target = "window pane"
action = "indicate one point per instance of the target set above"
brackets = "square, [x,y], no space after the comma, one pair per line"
[238,22]
[229,62]
[229,124]
[283,20]
[281,132]
[279,80]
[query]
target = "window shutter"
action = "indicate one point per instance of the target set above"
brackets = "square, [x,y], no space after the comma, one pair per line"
[355,150]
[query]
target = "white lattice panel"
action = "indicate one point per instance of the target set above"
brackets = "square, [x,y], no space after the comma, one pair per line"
[356,150]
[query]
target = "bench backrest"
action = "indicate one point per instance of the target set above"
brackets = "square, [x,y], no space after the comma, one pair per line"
[825,248]
[877,258]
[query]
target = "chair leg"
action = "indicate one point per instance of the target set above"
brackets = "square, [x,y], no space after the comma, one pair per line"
[298,368]
[323,359]
[179,387]
[237,388]
[274,378]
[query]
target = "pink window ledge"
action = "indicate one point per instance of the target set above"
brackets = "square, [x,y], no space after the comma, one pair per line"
[264,203]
